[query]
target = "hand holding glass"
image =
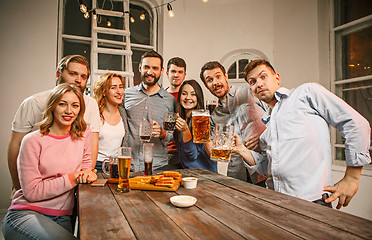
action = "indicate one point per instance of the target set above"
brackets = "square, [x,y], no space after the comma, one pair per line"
[223,140]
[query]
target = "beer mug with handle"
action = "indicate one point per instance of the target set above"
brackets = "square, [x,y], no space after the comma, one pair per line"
[112,162]
[223,140]
[201,125]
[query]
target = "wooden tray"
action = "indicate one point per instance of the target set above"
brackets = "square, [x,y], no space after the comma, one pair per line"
[147,186]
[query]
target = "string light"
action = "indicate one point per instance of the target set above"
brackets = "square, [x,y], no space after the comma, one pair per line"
[86,15]
[108,22]
[83,8]
[143,16]
[170,11]
[94,13]
[131,18]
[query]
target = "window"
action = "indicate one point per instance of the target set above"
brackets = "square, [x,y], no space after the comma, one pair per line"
[352,62]
[75,34]
[235,61]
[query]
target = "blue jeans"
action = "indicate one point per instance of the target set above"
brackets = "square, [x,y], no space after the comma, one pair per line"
[28,224]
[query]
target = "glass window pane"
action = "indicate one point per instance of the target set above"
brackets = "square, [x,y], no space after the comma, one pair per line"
[232,71]
[351,10]
[74,22]
[359,96]
[356,54]
[72,47]
[242,64]
[140,30]
[136,59]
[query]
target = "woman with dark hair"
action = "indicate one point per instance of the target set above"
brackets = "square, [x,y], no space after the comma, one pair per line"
[109,94]
[51,162]
[192,155]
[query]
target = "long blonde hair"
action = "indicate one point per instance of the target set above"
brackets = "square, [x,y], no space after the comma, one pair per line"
[79,126]
[102,85]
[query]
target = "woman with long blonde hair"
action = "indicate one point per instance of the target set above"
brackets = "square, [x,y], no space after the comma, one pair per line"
[51,162]
[109,94]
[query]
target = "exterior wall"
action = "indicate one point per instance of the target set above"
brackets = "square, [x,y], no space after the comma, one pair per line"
[293,34]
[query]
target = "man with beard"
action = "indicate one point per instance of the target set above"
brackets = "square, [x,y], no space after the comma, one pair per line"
[73,69]
[238,107]
[148,101]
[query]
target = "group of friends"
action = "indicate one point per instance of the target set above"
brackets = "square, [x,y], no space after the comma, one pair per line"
[61,137]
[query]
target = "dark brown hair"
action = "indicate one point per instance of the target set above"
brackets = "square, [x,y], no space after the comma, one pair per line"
[253,64]
[210,66]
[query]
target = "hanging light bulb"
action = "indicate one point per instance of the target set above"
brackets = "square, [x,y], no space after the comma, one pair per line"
[94,13]
[170,11]
[143,16]
[86,15]
[131,18]
[83,8]
[205,1]
[108,22]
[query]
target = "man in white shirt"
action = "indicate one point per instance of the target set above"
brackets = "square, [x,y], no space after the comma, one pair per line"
[72,69]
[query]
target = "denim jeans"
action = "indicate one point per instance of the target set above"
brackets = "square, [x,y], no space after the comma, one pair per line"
[28,224]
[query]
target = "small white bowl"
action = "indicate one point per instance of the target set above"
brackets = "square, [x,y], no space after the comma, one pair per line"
[189,182]
[183,201]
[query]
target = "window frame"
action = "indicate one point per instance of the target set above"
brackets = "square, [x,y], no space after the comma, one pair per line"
[146,4]
[336,34]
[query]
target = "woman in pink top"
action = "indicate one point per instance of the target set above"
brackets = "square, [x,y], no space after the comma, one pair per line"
[51,162]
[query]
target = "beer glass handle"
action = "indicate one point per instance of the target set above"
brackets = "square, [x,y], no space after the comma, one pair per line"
[104,168]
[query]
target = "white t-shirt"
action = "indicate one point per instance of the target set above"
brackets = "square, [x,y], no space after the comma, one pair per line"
[110,138]
[30,112]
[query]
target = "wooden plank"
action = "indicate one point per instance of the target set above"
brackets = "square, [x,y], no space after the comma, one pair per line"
[99,215]
[145,218]
[336,219]
[290,221]
[195,223]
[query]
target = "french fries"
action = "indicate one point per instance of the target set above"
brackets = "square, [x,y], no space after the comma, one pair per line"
[166,179]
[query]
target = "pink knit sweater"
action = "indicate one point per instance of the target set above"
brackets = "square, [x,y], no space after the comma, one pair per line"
[45,167]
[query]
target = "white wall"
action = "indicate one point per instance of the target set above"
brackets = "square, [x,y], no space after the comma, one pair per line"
[28,47]
[293,34]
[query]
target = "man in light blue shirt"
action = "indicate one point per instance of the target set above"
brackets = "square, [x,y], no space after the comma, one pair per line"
[148,101]
[296,144]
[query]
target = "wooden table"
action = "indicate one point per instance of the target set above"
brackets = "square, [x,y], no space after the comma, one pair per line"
[227,208]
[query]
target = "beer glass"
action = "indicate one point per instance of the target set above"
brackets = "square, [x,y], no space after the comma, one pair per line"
[223,140]
[112,162]
[169,122]
[124,159]
[210,105]
[148,155]
[201,126]
[145,131]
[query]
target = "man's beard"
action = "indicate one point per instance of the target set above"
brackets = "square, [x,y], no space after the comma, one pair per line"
[150,84]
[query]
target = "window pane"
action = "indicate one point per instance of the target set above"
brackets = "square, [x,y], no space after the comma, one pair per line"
[350,10]
[359,96]
[242,64]
[356,54]
[136,58]
[140,29]
[74,22]
[72,47]
[232,71]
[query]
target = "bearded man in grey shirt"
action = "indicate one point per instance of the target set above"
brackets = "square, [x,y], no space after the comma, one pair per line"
[148,101]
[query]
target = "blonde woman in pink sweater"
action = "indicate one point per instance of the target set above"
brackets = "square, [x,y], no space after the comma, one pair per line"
[52,161]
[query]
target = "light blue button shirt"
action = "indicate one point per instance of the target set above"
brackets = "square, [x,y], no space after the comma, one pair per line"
[296,143]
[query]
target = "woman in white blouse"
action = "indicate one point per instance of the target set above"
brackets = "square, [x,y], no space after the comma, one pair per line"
[109,94]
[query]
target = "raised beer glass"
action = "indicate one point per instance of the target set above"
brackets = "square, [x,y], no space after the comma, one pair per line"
[223,140]
[201,126]
[210,105]
[148,155]
[169,122]
[124,159]
[145,131]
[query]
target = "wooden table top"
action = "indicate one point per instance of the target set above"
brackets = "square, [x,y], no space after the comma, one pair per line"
[226,208]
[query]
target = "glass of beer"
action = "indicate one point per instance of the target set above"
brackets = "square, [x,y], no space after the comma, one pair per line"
[145,131]
[210,105]
[124,159]
[169,122]
[148,155]
[201,126]
[223,140]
